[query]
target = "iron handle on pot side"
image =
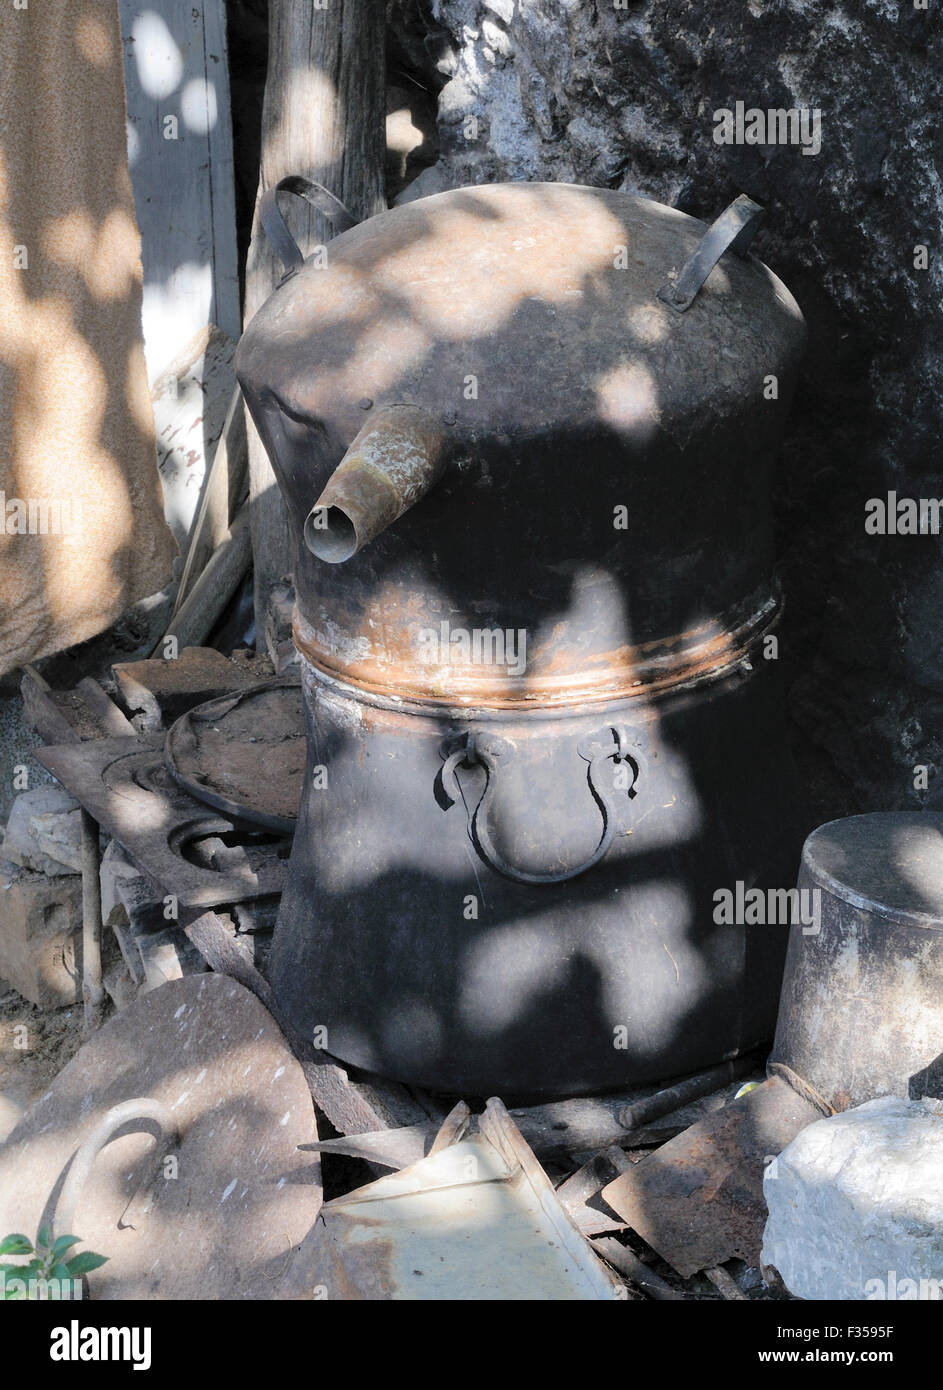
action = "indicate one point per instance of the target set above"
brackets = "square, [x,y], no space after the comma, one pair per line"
[473,749]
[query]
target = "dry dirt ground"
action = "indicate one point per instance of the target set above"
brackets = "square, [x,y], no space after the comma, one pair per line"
[35,1044]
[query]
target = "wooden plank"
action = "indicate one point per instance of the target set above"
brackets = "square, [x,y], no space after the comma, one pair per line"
[559,1128]
[43,713]
[70,716]
[323,116]
[191,401]
[180,154]
[637,1271]
[223,492]
[93,995]
[595,1122]
[196,617]
[112,722]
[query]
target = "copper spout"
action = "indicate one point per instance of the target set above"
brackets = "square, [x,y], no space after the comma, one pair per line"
[393,462]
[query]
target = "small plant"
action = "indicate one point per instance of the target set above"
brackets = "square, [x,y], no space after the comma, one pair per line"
[47,1273]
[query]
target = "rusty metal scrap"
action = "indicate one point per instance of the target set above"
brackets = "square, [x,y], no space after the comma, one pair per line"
[698,1200]
[244,753]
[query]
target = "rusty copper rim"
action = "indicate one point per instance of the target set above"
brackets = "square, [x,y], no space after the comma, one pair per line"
[651,671]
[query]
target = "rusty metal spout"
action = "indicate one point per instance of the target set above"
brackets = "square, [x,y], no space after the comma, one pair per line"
[393,462]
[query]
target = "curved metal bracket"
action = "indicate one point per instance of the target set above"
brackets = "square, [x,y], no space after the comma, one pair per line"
[276,228]
[487,754]
[733,230]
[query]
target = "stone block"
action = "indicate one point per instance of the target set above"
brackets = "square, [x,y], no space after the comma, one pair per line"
[856,1205]
[44,832]
[40,935]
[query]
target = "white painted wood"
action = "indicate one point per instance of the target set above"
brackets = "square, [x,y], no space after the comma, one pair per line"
[191,400]
[180,153]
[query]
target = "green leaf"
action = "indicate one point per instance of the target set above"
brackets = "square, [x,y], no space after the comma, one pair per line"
[63,1243]
[33,1270]
[85,1263]
[44,1237]
[16,1245]
[61,1271]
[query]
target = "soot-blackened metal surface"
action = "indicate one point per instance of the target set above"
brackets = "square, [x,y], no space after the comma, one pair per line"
[526,318]
[424,962]
[476,901]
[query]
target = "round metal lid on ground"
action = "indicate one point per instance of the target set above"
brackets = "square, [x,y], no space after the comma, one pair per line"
[888,862]
[244,753]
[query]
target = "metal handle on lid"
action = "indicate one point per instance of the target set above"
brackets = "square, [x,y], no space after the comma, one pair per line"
[733,230]
[276,228]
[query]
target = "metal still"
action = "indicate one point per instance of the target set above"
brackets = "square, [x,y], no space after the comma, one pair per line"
[524,433]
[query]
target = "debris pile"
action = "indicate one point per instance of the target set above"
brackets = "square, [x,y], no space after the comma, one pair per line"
[198,1122]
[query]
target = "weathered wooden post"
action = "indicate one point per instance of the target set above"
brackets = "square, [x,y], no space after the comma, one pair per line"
[323,116]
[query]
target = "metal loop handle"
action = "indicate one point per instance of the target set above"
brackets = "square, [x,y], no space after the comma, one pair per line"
[485,755]
[276,228]
[140,1108]
[733,230]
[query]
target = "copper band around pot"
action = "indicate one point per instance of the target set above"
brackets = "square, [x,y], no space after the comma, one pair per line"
[646,670]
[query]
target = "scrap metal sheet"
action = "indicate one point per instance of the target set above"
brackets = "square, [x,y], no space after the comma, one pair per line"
[698,1200]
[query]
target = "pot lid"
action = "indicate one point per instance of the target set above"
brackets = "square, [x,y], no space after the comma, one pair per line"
[886,862]
[518,309]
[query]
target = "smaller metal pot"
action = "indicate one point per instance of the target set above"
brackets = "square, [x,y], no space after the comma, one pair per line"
[861,1011]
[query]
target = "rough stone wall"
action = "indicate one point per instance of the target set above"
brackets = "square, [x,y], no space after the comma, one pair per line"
[582,91]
